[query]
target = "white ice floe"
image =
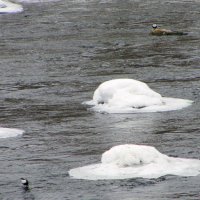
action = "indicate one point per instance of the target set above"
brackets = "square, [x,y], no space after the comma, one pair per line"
[130,96]
[10,132]
[36,1]
[9,7]
[132,161]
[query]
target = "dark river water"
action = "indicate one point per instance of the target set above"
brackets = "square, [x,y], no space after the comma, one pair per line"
[52,58]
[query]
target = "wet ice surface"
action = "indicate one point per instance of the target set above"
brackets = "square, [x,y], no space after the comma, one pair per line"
[132,96]
[10,132]
[9,7]
[136,161]
[53,57]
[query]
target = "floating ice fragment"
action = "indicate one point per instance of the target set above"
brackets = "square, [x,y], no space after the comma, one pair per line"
[10,132]
[130,96]
[37,1]
[9,7]
[132,161]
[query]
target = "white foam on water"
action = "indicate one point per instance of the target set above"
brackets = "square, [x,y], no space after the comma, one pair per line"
[132,161]
[9,7]
[132,96]
[10,132]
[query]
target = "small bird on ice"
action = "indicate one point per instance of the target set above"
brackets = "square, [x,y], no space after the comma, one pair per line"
[25,183]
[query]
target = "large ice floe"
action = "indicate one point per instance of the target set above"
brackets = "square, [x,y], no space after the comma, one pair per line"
[134,161]
[10,132]
[130,96]
[9,7]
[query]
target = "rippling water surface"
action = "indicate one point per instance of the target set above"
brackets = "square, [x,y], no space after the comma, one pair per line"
[52,58]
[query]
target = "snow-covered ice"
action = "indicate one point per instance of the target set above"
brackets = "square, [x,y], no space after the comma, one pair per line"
[10,132]
[132,161]
[130,96]
[9,7]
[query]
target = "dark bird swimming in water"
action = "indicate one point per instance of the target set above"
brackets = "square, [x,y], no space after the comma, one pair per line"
[160,31]
[25,183]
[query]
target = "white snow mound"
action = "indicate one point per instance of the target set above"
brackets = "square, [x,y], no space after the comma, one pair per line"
[132,161]
[131,96]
